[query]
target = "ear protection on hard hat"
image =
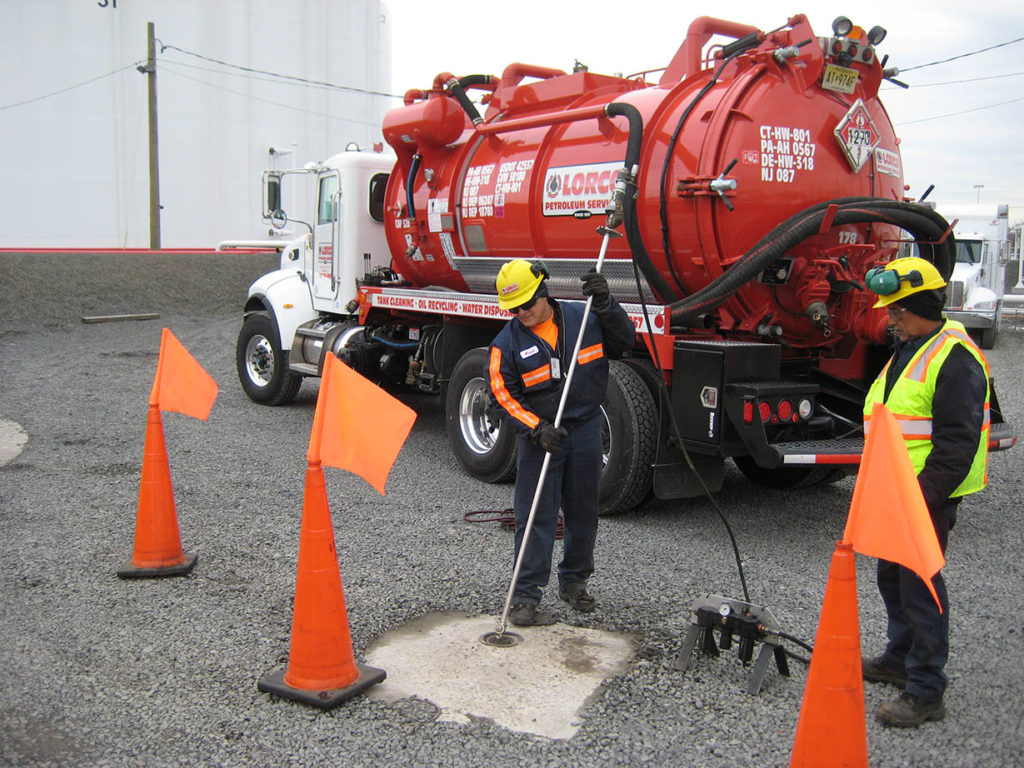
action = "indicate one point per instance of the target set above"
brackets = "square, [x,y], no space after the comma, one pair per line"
[885,281]
[540,269]
[901,278]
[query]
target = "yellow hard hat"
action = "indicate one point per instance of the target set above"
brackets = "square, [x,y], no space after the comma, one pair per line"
[517,281]
[901,278]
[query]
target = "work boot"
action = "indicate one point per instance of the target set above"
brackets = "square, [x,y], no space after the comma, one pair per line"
[876,671]
[909,711]
[526,615]
[576,595]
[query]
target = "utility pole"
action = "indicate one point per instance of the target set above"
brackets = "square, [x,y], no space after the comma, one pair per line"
[979,187]
[154,155]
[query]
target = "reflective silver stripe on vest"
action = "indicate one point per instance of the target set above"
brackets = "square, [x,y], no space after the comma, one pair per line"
[920,369]
[921,429]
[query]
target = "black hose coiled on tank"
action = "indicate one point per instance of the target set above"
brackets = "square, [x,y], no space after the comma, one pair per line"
[922,222]
[632,228]
[414,166]
[729,53]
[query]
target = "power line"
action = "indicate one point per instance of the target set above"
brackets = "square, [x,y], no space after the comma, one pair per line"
[169,68]
[963,112]
[70,87]
[166,47]
[961,56]
[955,82]
[241,75]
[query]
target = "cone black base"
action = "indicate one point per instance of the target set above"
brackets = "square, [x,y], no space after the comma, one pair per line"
[130,571]
[274,683]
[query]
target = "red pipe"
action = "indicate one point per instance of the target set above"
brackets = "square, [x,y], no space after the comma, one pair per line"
[687,60]
[515,72]
[537,121]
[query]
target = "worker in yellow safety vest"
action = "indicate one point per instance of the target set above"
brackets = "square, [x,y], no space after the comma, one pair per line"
[937,386]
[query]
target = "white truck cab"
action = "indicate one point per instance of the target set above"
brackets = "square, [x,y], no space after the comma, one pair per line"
[974,295]
[289,311]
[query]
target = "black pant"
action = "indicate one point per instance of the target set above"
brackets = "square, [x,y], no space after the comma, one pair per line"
[572,484]
[918,633]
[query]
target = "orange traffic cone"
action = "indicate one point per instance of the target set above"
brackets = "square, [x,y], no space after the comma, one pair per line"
[322,669]
[831,729]
[157,540]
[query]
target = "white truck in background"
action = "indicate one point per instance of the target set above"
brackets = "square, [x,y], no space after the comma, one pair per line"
[974,295]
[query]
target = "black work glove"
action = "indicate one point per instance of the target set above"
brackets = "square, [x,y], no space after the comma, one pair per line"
[594,284]
[548,436]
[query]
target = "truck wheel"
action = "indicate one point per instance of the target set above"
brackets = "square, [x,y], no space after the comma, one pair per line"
[486,450]
[262,365]
[987,338]
[630,438]
[785,478]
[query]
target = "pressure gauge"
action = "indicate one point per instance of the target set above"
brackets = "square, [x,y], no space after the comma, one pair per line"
[725,609]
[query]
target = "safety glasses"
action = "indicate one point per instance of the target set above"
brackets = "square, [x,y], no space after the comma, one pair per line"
[523,307]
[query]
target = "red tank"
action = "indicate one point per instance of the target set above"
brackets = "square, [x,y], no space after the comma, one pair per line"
[769,126]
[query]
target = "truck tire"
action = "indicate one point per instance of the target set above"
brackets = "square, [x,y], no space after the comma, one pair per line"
[262,364]
[987,338]
[486,449]
[786,478]
[630,438]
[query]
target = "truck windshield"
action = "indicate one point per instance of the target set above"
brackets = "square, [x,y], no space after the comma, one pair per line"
[968,251]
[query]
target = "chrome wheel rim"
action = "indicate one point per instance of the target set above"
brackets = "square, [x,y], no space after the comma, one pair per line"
[259,360]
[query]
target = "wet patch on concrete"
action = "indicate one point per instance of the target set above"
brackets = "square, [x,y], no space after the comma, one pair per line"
[541,685]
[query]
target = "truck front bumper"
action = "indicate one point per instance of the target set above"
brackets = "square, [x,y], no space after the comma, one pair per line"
[971,319]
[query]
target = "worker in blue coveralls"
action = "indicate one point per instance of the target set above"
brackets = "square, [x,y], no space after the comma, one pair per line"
[529,360]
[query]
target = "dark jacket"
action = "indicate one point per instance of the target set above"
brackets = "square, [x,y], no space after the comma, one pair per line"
[527,389]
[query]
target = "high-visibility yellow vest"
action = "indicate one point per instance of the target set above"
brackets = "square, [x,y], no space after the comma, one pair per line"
[911,402]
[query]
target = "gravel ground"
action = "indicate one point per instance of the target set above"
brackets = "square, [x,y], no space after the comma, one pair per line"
[104,672]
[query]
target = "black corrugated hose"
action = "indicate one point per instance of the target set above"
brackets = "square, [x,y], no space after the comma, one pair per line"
[926,226]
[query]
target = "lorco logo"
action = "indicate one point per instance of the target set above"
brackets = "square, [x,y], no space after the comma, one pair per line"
[510,288]
[597,179]
[572,189]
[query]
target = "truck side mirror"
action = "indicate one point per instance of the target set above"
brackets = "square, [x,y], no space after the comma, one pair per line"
[278,218]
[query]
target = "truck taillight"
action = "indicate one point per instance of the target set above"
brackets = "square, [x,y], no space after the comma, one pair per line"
[765,411]
[785,410]
[748,411]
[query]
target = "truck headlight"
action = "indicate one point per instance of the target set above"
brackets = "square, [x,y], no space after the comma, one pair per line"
[984,305]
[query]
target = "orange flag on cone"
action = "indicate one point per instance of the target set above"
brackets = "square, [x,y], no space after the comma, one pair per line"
[357,426]
[888,517]
[322,669]
[181,384]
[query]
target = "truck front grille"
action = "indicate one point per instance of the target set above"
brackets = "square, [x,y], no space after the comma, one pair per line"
[955,294]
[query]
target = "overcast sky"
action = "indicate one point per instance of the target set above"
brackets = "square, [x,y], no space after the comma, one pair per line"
[952,134]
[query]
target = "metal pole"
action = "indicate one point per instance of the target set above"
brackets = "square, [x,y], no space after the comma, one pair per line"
[154,155]
[503,621]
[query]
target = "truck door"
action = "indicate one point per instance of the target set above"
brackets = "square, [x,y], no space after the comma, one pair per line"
[325,238]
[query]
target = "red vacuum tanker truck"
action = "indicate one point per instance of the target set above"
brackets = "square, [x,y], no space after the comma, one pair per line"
[745,192]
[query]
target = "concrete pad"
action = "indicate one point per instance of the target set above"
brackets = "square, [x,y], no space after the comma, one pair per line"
[540,686]
[12,440]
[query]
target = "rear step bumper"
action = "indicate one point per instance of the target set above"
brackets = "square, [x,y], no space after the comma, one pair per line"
[849,450]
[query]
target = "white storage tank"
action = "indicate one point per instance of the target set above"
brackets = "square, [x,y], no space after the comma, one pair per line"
[74,112]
